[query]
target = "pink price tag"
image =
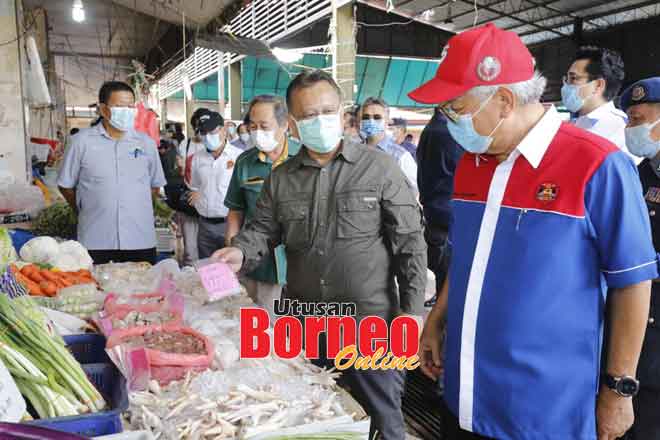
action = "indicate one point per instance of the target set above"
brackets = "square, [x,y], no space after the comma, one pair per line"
[219,280]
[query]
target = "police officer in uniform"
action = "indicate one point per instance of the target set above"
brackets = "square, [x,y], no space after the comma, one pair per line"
[641,101]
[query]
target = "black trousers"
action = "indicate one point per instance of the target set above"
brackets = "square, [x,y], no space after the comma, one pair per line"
[378,392]
[438,253]
[123,256]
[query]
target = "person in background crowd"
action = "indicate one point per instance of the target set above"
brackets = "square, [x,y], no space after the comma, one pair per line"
[350,224]
[592,82]
[169,162]
[399,127]
[178,133]
[373,116]
[269,120]
[186,217]
[437,156]
[232,134]
[108,176]
[243,141]
[73,131]
[211,171]
[351,131]
[545,217]
[409,138]
[641,101]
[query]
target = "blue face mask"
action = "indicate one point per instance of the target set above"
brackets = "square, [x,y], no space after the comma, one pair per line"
[372,127]
[322,133]
[466,136]
[570,97]
[122,118]
[639,142]
[212,141]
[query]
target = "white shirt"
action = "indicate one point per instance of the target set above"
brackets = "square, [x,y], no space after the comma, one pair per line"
[194,148]
[609,122]
[211,178]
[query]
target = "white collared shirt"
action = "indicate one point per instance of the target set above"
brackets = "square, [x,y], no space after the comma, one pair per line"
[609,122]
[211,177]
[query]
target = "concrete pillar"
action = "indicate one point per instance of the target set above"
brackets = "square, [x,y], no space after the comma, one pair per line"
[343,48]
[163,113]
[189,108]
[221,84]
[235,91]
[12,106]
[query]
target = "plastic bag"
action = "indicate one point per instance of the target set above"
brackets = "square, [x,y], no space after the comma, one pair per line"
[218,279]
[21,198]
[165,366]
[166,306]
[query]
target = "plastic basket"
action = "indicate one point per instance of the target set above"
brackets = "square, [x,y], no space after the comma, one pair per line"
[87,348]
[107,379]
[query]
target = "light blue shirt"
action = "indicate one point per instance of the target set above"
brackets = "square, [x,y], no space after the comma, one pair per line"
[113,181]
[402,157]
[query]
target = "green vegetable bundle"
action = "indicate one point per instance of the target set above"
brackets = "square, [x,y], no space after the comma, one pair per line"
[44,370]
[58,220]
[7,252]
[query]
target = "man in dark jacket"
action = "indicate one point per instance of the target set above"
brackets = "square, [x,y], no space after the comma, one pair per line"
[437,156]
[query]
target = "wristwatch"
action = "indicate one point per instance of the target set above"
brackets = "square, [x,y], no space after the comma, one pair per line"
[624,386]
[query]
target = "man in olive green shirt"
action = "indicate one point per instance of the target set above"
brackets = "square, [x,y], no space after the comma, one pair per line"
[267,116]
[351,225]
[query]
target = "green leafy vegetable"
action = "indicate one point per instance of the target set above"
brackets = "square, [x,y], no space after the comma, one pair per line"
[57,220]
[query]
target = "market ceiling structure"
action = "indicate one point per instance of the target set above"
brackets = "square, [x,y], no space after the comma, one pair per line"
[119,31]
[533,20]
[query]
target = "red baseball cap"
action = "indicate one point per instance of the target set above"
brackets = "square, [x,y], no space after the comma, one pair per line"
[482,56]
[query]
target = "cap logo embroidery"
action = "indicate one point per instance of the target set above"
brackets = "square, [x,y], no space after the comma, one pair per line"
[547,192]
[638,93]
[204,118]
[489,68]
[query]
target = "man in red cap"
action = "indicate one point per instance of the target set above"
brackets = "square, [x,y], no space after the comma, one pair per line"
[546,217]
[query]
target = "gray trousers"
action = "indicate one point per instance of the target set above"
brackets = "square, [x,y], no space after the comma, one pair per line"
[188,227]
[378,392]
[210,237]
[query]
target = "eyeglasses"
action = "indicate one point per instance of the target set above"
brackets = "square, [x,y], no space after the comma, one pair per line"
[573,79]
[449,112]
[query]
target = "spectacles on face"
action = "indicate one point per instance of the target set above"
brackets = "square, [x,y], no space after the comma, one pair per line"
[449,113]
[572,78]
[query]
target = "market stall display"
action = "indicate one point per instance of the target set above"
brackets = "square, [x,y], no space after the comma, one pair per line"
[45,372]
[184,373]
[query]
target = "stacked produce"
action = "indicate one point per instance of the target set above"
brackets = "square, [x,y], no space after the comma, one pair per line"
[67,256]
[57,220]
[48,282]
[45,372]
[83,301]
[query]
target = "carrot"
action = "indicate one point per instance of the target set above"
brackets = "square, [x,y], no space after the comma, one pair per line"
[49,288]
[36,276]
[48,275]
[32,287]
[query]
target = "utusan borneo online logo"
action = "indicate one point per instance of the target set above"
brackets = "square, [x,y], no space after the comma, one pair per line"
[370,344]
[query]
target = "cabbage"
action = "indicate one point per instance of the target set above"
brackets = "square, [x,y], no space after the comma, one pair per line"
[40,250]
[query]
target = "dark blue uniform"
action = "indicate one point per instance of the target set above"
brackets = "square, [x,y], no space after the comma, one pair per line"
[647,402]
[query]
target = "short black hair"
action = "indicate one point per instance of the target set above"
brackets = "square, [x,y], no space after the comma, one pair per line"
[373,100]
[73,131]
[109,87]
[606,64]
[308,78]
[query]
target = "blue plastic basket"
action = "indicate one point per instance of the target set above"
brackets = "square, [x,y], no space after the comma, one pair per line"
[87,348]
[107,379]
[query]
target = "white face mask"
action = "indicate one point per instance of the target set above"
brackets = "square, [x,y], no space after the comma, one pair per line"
[212,141]
[264,140]
[245,137]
